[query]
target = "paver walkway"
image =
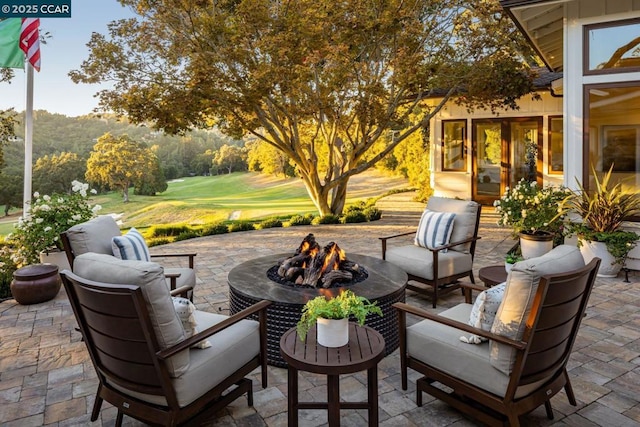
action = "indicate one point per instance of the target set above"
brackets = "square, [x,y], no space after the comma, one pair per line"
[46,377]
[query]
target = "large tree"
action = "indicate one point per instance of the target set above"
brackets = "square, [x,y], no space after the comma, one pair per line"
[120,162]
[320,80]
[54,174]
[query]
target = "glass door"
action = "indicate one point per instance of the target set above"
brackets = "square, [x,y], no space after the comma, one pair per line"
[489,149]
[524,138]
[504,152]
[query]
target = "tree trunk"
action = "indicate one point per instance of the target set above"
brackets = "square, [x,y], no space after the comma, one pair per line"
[125,193]
[339,197]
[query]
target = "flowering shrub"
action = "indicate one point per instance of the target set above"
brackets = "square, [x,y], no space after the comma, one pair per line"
[49,216]
[530,208]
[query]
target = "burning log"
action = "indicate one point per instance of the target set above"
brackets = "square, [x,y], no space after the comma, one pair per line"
[310,265]
[293,273]
[335,276]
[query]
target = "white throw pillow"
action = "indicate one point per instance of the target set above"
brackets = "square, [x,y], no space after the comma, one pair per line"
[185,309]
[130,247]
[434,229]
[483,312]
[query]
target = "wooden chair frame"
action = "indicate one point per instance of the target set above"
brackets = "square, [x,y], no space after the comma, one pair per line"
[551,328]
[184,291]
[439,285]
[104,311]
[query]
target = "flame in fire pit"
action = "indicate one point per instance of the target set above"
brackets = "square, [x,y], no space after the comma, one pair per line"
[318,267]
[333,258]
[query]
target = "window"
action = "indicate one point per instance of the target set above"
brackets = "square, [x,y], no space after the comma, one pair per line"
[556,145]
[453,145]
[612,47]
[614,131]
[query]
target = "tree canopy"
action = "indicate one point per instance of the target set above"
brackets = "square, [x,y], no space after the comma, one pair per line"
[322,81]
[120,162]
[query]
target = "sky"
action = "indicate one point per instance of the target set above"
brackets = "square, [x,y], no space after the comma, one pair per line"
[53,90]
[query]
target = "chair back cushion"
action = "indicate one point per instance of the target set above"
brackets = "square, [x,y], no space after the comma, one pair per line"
[522,284]
[93,236]
[464,224]
[150,277]
[130,246]
[434,229]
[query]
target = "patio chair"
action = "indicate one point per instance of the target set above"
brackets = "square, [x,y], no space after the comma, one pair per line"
[443,249]
[97,235]
[147,367]
[520,361]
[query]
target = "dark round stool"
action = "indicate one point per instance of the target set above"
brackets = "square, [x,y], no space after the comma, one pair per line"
[35,283]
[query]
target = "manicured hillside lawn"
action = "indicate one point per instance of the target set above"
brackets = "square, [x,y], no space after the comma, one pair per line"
[201,200]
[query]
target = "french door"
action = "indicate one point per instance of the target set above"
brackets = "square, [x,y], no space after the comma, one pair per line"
[504,152]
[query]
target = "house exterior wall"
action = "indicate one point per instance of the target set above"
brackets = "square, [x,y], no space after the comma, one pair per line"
[459,183]
[577,15]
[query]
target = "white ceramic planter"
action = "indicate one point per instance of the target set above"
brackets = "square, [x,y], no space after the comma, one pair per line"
[535,245]
[55,257]
[333,332]
[590,250]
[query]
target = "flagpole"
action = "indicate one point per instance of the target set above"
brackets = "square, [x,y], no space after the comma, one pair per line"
[28,142]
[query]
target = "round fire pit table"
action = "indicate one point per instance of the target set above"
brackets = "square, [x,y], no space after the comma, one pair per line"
[248,284]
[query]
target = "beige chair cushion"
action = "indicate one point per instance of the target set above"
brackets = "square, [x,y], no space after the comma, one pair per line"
[229,351]
[150,277]
[465,221]
[187,276]
[519,293]
[93,236]
[419,261]
[439,346]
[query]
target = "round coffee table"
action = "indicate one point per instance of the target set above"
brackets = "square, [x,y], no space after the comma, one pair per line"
[492,275]
[363,352]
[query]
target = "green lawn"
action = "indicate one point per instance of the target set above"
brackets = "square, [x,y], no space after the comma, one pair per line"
[201,200]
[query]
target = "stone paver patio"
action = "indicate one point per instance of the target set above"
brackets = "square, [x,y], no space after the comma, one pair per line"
[46,377]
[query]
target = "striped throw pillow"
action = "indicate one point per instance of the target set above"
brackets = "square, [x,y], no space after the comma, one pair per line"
[130,246]
[434,229]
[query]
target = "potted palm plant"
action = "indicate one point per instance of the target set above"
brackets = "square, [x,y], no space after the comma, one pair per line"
[332,316]
[603,211]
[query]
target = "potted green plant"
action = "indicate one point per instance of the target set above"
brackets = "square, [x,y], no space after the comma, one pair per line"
[332,316]
[37,233]
[602,212]
[511,258]
[535,216]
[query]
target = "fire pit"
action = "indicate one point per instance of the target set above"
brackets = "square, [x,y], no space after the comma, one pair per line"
[249,283]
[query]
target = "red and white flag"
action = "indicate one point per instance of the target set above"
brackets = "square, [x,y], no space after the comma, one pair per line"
[30,41]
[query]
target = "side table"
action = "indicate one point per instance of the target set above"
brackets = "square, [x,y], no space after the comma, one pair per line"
[35,283]
[363,352]
[492,275]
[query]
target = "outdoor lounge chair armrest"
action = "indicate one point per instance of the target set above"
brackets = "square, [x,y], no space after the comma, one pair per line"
[452,244]
[181,255]
[383,240]
[173,279]
[168,352]
[181,291]
[406,308]
[397,235]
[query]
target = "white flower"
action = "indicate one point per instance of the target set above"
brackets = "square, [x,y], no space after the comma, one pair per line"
[39,220]
[93,191]
[36,194]
[45,207]
[46,229]
[96,208]
[76,217]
